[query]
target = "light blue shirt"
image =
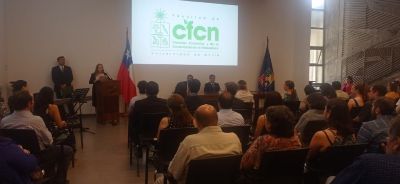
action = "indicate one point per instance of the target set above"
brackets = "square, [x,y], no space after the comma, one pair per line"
[228,117]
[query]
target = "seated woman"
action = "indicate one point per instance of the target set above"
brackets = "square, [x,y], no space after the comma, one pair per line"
[355,104]
[339,131]
[290,93]
[271,99]
[180,116]
[45,108]
[281,136]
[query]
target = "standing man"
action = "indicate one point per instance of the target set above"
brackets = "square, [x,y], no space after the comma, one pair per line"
[212,86]
[62,78]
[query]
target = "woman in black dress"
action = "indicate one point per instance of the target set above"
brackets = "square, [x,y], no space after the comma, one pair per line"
[97,76]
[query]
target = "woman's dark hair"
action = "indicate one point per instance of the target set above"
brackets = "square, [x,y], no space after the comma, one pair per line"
[97,66]
[309,89]
[328,91]
[289,84]
[282,121]
[272,98]
[180,115]
[362,89]
[339,117]
[18,85]
[42,101]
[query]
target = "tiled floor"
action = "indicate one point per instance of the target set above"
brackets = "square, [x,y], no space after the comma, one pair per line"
[105,156]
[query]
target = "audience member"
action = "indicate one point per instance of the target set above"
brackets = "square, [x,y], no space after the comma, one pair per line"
[17,86]
[356,103]
[290,93]
[193,101]
[279,124]
[211,87]
[376,168]
[226,116]
[316,105]
[339,131]
[375,132]
[142,94]
[209,142]
[339,93]
[232,88]
[23,118]
[243,93]
[45,108]
[151,104]
[271,99]
[16,164]
[182,87]
[180,117]
[365,114]
[308,90]
[348,85]
[328,91]
[393,91]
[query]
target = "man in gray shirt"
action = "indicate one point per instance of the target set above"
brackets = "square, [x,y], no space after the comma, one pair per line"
[316,104]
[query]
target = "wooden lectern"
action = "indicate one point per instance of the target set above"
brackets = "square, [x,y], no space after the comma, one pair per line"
[107,100]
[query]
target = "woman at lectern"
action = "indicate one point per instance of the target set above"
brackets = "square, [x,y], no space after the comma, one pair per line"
[97,76]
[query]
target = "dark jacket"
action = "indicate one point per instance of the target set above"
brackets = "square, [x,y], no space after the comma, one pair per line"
[61,77]
[193,102]
[210,88]
[93,81]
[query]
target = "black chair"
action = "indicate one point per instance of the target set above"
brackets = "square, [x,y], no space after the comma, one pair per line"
[247,115]
[243,133]
[283,167]
[224,170]
[334,159]
[310,129]
[25,137]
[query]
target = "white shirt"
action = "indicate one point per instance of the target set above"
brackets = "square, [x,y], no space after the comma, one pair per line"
[228,117]
[134,99]
[245,96]
[26,120]
[209,142]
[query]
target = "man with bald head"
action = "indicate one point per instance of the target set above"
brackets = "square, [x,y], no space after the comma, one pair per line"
[209,142]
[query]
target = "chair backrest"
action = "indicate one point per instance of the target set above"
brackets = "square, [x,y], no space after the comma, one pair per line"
[149,124]
[169,141]
[283,166]
[310,129]
[25,137]
[336,158]
[243,133]
[247,114]
[214,170]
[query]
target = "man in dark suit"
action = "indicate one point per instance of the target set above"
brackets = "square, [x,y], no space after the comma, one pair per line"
[151,104]
[182,87]
[193,101]
[62,78]
[212,86]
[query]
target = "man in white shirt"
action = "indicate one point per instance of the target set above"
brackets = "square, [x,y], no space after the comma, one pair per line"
[209,142]
[243,93]
[142,94]
[226,116]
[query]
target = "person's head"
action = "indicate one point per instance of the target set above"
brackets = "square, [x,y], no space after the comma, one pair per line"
[359,90]
[45,97]
[189,77]
[383,106]
[61,60]
[205,116]
[19,85]
[211,78]
[23,101]
[225,100]
[336,85]
[242,85]
[349,80]
[142,86]
[376,91]
[328,91]
[280,121]
[393,140]
[316,101]
[99,68]
[309,89]
[393,86]
[272,98]
[152,88]
[194,86]
[288,85]
[338,116]
[231,87]
[179,111]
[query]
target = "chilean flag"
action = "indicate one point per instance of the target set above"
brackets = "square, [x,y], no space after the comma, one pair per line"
[128,88]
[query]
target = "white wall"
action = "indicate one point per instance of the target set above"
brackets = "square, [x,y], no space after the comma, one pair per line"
[2,49]
[93,31]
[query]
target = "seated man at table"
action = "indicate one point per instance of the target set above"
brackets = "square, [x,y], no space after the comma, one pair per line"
[209,142]
[226,116]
